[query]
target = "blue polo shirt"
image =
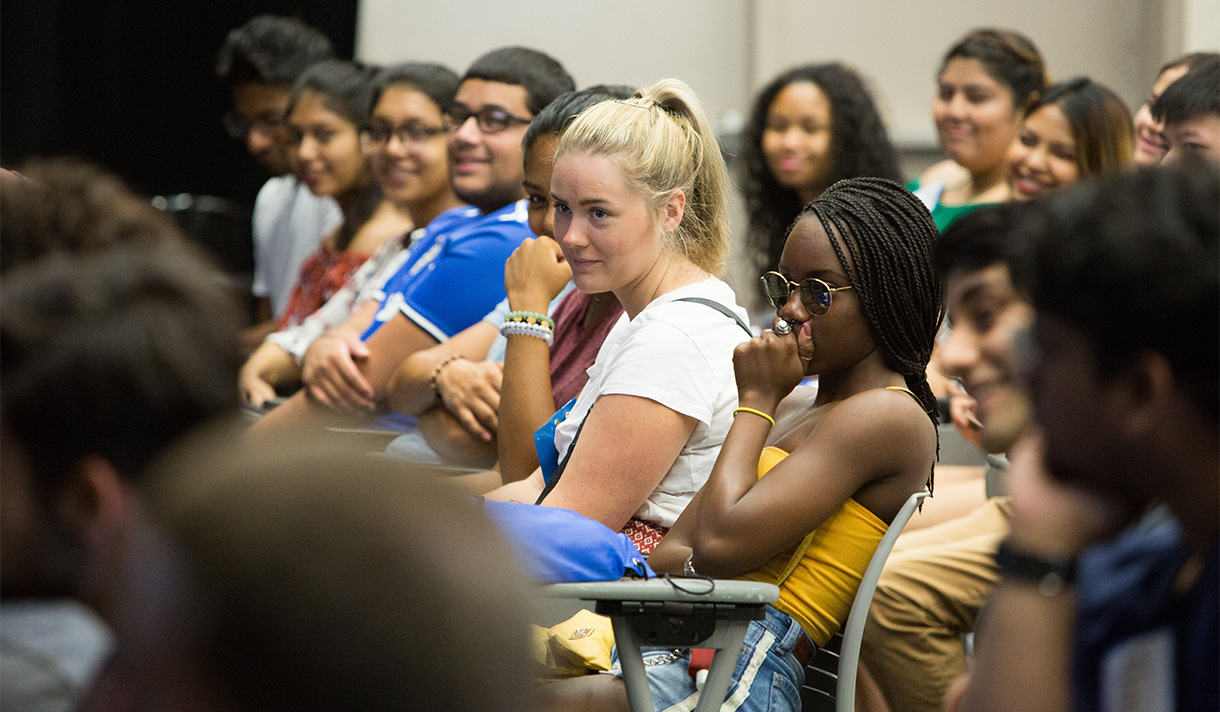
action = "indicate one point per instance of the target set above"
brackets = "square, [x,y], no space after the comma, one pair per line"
[454,272]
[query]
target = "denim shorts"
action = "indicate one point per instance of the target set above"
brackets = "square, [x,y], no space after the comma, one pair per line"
[767,676]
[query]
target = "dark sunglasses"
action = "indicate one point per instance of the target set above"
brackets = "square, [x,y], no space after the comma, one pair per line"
[815,294]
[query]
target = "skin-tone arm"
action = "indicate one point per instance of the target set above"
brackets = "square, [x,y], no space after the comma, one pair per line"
[329,370]
[534,275]
[1023,656]
[268,367]
[607,478]
[338,361]
[469,386]
[737,522]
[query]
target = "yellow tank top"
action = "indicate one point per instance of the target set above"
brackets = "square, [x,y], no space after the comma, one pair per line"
[818,587]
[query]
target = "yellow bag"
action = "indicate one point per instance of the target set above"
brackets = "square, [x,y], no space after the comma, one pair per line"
[578,646]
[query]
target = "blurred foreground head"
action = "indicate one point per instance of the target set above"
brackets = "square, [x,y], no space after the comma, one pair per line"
[116,338]
[310,577]
[1125,374]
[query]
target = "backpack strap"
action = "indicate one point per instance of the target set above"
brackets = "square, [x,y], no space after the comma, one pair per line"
[563,464]
[720,308]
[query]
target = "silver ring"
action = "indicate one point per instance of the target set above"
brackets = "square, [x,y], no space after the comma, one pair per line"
[782,328]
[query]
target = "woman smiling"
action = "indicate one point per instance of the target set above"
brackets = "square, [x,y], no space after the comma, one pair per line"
[1075,129]
[640,195]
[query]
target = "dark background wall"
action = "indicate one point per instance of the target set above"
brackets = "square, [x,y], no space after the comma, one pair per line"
[128,84]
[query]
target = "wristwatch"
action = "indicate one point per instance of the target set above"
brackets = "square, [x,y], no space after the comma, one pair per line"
[1050,574]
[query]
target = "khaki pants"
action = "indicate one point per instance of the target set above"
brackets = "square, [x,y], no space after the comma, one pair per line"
[930,592]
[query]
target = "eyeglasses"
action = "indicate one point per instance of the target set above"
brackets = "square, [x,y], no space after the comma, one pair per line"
[239,127]
[410,132]
[491,119]
[815,294]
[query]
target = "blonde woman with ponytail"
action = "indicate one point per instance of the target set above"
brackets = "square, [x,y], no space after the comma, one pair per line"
[640,193]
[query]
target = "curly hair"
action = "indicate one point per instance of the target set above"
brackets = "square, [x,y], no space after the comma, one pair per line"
[884,239]
[859,146]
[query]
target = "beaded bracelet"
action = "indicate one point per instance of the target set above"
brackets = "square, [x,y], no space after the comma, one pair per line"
[436,371]
[529,317]
[520,328]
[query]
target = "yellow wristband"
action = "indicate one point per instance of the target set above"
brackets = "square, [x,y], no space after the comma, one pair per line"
[759,413]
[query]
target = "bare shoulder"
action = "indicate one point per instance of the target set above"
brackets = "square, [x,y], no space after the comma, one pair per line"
[879,426]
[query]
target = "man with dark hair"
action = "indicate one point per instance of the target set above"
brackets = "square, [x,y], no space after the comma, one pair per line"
[1125,384]
[115,340]
[259,62]
[938,578]
[1190,110]
[454,274]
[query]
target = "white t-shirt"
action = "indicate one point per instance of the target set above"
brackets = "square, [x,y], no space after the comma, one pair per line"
[679,354]
[289,224]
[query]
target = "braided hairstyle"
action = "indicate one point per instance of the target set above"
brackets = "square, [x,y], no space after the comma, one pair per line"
[884,239]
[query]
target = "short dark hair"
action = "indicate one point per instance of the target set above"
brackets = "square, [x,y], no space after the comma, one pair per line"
[69,206]
[859,146]
[1100,122]
[1132,261]
[1190,60]
[310,586]
[1196,93]
[345,88]
[1009,57]
[270,49]
[982,238]
[556,116]
[114,353]
[541,75]
[435,81]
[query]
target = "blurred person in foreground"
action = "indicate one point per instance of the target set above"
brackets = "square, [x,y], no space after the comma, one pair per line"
[1123,373]
[115,339]
[281,579]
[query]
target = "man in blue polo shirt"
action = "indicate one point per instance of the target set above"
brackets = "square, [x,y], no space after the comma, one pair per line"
[454,273]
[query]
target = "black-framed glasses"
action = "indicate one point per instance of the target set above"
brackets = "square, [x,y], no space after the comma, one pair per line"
[815,294]
[410,132]
[238,126]
[491,119]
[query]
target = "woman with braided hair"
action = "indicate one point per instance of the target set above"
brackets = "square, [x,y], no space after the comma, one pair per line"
[805,485]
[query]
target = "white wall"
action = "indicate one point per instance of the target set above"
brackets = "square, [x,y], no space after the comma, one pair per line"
[898,44]
[625,42]
[726,49]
